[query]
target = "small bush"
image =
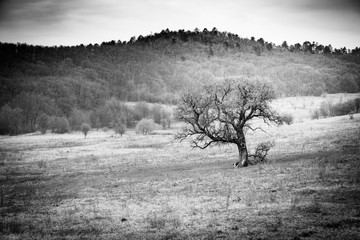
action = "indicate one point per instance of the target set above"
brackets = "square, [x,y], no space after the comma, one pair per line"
[287,118]
[351,116]
[85,128]
[261,152]
[324,109]
[145,126]
[315,114]
[41,164]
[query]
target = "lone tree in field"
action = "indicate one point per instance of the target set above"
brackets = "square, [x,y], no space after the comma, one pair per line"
[222,113]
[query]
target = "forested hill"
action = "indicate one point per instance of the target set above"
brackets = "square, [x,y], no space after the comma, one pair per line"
[155,68]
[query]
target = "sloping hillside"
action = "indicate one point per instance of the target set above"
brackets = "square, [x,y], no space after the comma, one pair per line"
[156,68]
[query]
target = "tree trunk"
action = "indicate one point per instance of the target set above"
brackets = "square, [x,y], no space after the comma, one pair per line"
[243,155]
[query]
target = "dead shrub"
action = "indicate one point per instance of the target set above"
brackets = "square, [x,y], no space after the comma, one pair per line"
[261,152]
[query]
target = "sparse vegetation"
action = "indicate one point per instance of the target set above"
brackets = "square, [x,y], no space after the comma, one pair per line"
[149,187]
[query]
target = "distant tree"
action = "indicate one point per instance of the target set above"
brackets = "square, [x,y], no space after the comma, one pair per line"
[285,45]
[261,41]
[297,47]
[307,47]
[43,122]
[132,40]
[141,110]
[120,128]
[337,51]
[269,46]
[214,31]
[166,118]
[62,125]
[11,118]
[145,126]
[77,118]
[328,49]
[116,110]
[85,128]
[348,84]
[343,50]
[221,113]
[355,51]
[319,48]
[59,124]
[32,105]
[156,112]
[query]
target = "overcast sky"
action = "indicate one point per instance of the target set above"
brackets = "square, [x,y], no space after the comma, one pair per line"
[73,22]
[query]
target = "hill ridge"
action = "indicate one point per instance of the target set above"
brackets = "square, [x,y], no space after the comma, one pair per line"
[157,67]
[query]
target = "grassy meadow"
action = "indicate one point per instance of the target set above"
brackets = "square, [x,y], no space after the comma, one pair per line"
[152,187]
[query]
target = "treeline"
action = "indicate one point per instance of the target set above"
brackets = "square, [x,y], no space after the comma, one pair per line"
[329,109]
[60,80]
[113,114]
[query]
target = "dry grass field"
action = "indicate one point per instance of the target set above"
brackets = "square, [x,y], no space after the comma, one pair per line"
[152,187]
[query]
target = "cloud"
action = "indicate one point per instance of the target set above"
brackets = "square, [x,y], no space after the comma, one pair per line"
[17,12]
[352,6]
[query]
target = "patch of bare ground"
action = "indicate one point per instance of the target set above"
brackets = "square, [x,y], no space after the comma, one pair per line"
[150,187]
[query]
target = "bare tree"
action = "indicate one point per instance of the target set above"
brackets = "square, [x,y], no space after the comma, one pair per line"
[222,113]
